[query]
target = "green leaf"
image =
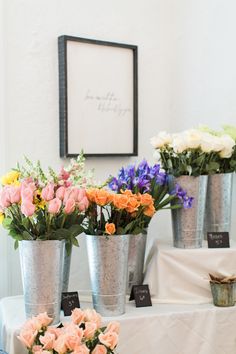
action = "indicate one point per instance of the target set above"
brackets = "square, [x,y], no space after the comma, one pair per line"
[27,236]
[7,223]
[76,230]
[16,244]
[75,242]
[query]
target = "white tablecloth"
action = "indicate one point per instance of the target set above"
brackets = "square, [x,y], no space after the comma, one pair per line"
[179,275]
[160,329]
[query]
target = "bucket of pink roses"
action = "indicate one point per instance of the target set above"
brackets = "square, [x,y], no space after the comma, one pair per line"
[44,215]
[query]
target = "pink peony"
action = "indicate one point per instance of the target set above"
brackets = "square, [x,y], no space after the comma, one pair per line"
[69,206]
[90,329]
[15,194]
[109,339]
[48,192]
[27,337]
[48,340]
[54,206]
[77,316]
[92,316]
[113,326]
[60,193]
[99,349]
[27,208]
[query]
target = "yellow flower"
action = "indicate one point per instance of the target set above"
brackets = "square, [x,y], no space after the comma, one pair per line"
[11,178]
[40,203]
[1,218]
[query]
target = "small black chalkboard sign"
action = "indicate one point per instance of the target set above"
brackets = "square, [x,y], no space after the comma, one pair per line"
[141,295]
[69,302]
[218,239]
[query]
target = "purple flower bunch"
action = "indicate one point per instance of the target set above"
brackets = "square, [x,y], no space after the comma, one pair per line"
[150,179]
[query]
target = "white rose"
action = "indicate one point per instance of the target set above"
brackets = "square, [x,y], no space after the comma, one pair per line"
[161,140]
[211,143]
[228,144]
[179,143]
[193,138]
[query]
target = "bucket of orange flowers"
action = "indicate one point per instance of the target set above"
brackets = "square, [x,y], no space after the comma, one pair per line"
[110,220]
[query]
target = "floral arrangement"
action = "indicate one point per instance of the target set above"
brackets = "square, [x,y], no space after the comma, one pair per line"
[195,152]
[151,180]
[36,206]
[83,335]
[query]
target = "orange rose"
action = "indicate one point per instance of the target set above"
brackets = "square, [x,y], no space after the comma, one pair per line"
[110,229]
[91,193]
[120,201]
[102,197]
[126,192]
[133,204]
[149,210]
[146,199]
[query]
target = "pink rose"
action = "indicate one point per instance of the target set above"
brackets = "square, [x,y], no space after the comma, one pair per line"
[54,206]
[15,194]
[27,337]
[90,329]
[5,200]
[92,316]
[60,193]
[77,316]
[27,208]
[113,326]
[60,344]
[48,192]
[69,206]
[83,204]
[44,319]
[56,331]
[27,194]
[73,329]
[72,342]
[47,340]
[99,349]
[81,194]
[37,348]
[82,349]
[109,339]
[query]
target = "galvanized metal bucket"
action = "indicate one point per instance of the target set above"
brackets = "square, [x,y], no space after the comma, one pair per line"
[41,268]
[223,294]
[66,270]
[187,224]
[137,247]
[218,203]
[108,259]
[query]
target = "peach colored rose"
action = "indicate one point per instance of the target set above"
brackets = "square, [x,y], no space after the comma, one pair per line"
[146,199]
[56,331]
[27,337]
[92,316]
[41,351]
[102,197]
[44,319]
[69,206]
[90,329]
[109,339]
[149,211]
[47,340]
[15,194]
[82,349]
[37,348]
[110,228]
[113,326]
[73,329]
[91,193]
[60,344]
[120,201]
[99,349]
[60,193]
[54,206]
[133,204]
[77,316]
[72,341]
[48,192]
[27,208]
[83,204]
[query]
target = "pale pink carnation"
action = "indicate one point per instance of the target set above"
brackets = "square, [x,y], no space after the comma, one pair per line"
[54,206]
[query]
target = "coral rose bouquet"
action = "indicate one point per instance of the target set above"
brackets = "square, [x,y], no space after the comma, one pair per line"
[39,206]
[195,152]
[150,182]
[82,335]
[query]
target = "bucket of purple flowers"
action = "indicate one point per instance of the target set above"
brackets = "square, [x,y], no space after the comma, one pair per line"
[154,181]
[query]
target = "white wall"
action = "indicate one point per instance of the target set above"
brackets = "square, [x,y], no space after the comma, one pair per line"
[186,76]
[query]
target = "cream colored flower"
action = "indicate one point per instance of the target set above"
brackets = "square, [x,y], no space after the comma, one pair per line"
[161,140]
[228,144]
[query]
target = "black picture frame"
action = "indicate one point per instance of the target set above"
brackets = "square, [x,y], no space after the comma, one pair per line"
[103,116]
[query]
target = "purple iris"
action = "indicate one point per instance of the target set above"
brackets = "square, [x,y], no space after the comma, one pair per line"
[183,197]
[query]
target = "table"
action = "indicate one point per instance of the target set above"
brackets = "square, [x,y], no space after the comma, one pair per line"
[160,329]
[178,275]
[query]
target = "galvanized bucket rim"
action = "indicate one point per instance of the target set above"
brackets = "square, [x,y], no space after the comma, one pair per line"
[219,284]
[40,241]
[112,236]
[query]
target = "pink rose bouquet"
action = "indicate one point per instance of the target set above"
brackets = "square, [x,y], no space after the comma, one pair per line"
[37,206]
[83,335]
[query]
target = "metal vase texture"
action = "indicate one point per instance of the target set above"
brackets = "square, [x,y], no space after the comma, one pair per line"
[108,258]
[137,247]
[66,270]
[218,203]
[187,224]
[41,268]
[223,294]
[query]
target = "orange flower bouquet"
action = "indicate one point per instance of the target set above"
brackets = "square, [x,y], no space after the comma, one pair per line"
[120,214]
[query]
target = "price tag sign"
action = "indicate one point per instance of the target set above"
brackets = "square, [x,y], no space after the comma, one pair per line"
[141,295]
[69,302]
[218,239]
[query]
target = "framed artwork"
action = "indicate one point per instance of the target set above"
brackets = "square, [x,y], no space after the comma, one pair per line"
[98,95]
